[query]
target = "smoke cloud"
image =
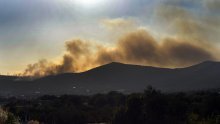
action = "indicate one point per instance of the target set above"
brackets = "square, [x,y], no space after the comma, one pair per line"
[138,47]
[191,41]
[190,24]
[43,67]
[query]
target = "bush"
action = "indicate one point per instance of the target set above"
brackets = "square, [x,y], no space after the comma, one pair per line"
[7,118]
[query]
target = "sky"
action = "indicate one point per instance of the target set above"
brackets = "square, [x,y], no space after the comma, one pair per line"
[42,37]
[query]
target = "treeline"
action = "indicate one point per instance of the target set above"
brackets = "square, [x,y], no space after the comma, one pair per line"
[150,107]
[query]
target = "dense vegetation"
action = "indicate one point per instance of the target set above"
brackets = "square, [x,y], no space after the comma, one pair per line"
[150,107]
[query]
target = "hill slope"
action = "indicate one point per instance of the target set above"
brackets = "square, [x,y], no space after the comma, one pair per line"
[118,77]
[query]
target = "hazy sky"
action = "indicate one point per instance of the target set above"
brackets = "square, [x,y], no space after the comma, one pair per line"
[31,30]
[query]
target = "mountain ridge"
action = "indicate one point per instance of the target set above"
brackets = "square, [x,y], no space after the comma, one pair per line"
[116,76]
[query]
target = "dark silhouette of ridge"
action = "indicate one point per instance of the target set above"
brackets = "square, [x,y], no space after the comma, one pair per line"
[117,77]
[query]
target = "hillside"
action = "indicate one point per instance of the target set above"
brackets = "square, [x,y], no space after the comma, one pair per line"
[117,77]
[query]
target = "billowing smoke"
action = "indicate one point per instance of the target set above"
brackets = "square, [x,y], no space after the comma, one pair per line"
[138,47]
[189,39]
[43,67]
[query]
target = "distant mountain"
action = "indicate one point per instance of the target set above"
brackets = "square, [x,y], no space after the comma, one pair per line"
[117,77]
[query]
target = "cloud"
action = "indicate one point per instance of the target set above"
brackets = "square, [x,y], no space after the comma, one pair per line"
[213,5]
[189,24]
[117,23]
[137,47]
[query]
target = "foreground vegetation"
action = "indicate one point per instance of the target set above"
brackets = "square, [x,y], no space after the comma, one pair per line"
[150,107]
[7,117]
